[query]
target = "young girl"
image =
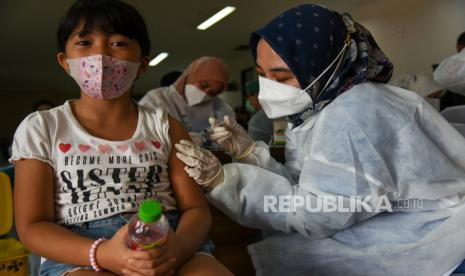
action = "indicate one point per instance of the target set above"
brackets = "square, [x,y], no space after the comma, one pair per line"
[83,168]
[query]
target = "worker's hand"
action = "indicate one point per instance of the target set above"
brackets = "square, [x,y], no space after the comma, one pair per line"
[201,164]
[232,138]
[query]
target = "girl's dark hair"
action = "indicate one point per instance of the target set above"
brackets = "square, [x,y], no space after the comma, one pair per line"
[109,16]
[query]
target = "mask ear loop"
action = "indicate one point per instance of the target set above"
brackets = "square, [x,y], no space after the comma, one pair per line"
[339,58]
[326,70]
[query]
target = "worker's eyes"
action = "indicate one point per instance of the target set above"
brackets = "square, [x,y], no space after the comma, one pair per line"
[283,80]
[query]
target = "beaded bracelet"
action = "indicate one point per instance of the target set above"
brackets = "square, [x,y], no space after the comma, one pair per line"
[92,257]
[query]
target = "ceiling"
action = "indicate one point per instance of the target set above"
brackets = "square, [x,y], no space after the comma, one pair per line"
[28,49]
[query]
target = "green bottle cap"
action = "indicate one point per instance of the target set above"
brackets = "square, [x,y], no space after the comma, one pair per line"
[149,211]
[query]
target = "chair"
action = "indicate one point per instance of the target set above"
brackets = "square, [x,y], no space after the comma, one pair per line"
[13,255]
[10,171]
[455,115]
[460,128]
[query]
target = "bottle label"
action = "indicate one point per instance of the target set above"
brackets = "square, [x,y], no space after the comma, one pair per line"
[136,246]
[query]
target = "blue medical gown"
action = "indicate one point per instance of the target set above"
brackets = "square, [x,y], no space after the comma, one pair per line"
[374,140]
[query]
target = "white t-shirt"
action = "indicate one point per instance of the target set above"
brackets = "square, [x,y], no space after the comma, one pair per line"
[97,178]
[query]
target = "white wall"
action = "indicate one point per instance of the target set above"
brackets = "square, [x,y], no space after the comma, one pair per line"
[414,34]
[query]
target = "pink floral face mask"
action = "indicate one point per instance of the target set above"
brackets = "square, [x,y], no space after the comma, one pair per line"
[103,77]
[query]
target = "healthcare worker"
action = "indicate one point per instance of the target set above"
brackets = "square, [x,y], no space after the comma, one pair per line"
[451,73]
[260,127]
[193,98]
[358,139]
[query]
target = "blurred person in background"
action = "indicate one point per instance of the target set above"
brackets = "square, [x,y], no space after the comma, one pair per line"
[192,98]
[450,74]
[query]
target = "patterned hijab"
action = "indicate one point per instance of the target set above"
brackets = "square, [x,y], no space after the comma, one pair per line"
[309,38]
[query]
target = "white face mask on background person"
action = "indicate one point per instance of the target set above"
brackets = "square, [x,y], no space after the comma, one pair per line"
[103,77]
[194,95]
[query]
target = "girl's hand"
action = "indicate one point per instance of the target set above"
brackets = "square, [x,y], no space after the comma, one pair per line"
[115,255]
[164,260]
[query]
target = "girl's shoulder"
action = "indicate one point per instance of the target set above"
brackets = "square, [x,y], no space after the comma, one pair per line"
[157,97]
[152,114]
[155,120]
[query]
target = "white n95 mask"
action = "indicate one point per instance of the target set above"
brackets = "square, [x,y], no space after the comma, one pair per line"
[279,100]
[194,95]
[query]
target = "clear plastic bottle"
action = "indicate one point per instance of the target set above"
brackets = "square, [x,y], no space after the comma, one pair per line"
[149,227]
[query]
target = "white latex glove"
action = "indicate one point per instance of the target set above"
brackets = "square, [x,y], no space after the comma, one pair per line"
[231,137]
[202,165]
[197,138]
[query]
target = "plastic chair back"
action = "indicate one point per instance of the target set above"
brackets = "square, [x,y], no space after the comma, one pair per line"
[13,255]
[454,114]
[10,171]
[6,204]
[460,128]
